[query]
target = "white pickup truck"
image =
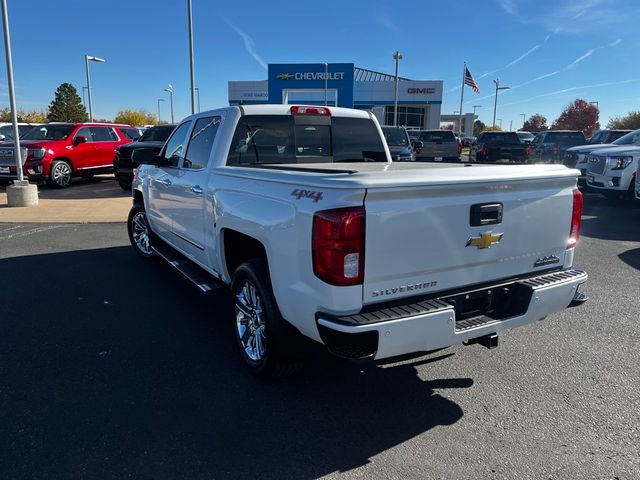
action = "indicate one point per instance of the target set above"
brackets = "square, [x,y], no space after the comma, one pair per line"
[300,212]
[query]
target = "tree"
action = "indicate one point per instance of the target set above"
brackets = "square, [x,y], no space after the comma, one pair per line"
[67,106]
[478,127]
[448,126]
[578,115]
[630,121]
[135,117]
[535,123]
[33,116]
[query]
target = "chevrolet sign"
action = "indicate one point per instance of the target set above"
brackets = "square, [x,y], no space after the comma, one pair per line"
[311,76]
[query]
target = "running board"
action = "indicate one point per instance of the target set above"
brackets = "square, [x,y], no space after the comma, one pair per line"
[199,277]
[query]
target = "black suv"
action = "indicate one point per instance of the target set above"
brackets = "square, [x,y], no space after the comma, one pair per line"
[152,139]
[551,145]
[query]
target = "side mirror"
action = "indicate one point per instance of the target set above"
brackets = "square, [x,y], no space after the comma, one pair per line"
[79,139]
[417,144]
[2,138]
[149,157]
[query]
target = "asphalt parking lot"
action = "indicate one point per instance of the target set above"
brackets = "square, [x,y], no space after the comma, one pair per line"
[111,367]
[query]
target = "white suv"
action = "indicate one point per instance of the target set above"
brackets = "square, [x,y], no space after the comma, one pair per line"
[612,171]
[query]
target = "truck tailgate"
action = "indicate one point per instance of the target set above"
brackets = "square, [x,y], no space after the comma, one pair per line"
[420,239]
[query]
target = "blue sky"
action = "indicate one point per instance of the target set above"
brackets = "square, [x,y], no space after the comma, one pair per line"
[549,52]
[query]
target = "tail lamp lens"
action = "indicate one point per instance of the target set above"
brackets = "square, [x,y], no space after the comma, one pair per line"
[303,110]
[576,219]
[338,246]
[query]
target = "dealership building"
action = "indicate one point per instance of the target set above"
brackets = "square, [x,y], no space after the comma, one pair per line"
[345,85]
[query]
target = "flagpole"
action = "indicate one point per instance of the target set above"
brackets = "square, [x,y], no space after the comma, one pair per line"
[464,72]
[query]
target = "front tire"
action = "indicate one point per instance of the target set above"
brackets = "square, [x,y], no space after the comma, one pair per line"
[60,174]
[262,335]
[140,235]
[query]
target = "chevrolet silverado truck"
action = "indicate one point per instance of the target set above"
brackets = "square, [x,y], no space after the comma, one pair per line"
[300,213]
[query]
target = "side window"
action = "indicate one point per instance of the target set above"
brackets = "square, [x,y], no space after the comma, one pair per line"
[202,137]
[86,133]
[101,134]
[174,149]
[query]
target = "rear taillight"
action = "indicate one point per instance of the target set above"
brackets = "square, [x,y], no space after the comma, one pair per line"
[459,148]
[554,149]
[301,110]
[337,245]
[484,150]
[527,150]
[576,219]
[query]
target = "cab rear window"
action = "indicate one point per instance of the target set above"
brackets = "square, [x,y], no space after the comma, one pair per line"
[283,139]
[439,136]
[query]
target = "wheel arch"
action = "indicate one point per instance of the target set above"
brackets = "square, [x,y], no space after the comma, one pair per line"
[237,248]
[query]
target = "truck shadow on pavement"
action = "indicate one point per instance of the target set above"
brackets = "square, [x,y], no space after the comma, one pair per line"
[117,368]
[608,220]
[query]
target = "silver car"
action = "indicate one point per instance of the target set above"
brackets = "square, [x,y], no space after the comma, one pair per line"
[438,146]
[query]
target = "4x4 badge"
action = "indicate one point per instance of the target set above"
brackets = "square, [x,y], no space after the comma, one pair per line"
[485,240]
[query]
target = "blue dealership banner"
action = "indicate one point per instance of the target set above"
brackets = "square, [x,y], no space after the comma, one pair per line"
[311,76]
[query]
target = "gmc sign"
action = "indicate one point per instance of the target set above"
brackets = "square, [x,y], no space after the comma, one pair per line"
[421,90]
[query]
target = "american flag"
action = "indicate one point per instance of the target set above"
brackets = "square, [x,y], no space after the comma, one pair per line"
[468,80]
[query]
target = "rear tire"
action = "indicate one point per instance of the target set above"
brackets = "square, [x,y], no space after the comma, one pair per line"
[140,235]
[263,337]
[124,185]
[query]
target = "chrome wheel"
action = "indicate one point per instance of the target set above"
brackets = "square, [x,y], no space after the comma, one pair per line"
[250,323]
[61,174]
[140,233]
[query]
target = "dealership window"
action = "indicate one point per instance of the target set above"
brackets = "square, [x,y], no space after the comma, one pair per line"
[407,116]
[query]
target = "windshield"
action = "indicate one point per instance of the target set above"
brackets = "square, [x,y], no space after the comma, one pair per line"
[600,137]
[500,137]
[437,136]
[157,134]
[526,135]
[631,138]
[396,137]
[50,132]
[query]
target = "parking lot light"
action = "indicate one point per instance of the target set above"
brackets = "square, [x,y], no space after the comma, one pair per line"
[159,100]
[87,59]
[170,90]
[495,103]
[397,57]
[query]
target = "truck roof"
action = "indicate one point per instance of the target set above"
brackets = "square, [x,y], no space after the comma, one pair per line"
[278,109]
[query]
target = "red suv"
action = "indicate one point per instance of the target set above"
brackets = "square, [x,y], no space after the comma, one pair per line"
[55,152]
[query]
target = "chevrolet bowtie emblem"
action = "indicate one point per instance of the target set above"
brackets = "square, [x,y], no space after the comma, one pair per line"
[485,240]
[284,76]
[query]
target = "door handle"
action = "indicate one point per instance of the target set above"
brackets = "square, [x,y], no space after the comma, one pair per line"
[197,189]
[166,182]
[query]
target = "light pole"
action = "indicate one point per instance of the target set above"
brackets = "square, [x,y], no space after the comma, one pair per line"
[170,90]
[511,125]
[159,100]
[191,65]
[326,78]
[524,116]
[474,109]
[87,59]
[198,92]
[20,194]
[495,104]
[596,104]
[84,102]
[500,120]
[397,57]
